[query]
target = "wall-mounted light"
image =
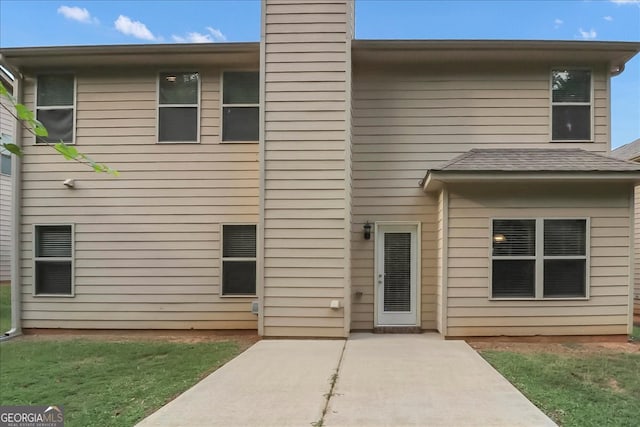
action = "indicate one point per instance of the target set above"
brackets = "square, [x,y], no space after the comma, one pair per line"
[367,231]
[499,238]
[69,183]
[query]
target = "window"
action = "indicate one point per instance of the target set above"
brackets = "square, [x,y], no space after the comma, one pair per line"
[55,107]
[571,105]
[178,107]
[53,250]
[555,247]
[5,164]
[565,257]
[238,259]
[514,258]
[240,108]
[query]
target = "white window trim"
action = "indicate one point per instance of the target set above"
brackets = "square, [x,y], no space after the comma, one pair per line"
[52,259]
[198,107]
[221,293]
[36,108]
[223,105]
[539,260]
[568,104]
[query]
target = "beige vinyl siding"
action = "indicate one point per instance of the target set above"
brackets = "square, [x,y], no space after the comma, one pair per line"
[306,178]
[409,118]
[6,128]
[636,242]
[147,243]
[471,208]
[453,108]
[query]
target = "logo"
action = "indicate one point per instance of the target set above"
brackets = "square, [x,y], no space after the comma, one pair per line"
[31,416]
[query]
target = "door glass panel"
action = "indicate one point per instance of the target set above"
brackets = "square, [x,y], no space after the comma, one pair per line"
[397,272]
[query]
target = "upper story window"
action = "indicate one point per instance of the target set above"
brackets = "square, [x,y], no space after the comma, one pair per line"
[178,107]
[571,105]
[240,106]
[539,258]
[55,107]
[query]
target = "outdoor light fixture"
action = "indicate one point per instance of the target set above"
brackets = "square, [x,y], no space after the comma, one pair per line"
[367,231]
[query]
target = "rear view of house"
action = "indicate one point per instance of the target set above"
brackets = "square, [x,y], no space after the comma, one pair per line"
[328,184]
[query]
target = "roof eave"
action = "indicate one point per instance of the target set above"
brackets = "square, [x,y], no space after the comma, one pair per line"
[122,55]
[612,52]
[435,180]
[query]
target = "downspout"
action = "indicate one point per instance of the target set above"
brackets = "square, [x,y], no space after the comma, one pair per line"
[16,163]
[260,280]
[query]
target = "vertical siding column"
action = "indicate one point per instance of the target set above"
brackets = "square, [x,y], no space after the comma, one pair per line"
[306,167]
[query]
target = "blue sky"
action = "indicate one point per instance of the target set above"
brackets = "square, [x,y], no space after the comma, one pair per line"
[56,23]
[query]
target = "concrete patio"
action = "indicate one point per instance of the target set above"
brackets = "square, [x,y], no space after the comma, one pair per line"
[383,380]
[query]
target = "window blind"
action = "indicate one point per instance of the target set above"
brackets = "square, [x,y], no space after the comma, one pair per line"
[239,241]
[397,271]
[53,241]
[564,237]
[514,237]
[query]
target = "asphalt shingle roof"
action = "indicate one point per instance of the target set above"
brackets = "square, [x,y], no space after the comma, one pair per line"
[628,151]
[535,160]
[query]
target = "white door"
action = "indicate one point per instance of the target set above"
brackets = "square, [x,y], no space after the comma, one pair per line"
[396,275]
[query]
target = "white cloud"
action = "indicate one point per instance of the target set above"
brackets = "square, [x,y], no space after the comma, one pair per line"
[76,13]
[217,34]
[137,29]
[626,2]
[214,35]
[608,18]
[194,37]
[588,35]
[557,23]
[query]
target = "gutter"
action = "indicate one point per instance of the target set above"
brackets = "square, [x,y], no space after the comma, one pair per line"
[16,178]
[435,178]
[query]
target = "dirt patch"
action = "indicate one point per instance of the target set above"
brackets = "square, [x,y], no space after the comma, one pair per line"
[245,339]
[613,385]
[558,348]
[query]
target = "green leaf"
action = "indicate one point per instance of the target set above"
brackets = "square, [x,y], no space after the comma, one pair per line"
[3,90]
[68,151]
[24,113]
[39,129]
[12,148]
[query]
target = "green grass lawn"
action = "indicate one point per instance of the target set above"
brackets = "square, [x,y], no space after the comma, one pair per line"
[103,383]
[5,308]
[577,389]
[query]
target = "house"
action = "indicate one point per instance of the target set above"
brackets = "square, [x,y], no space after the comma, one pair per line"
[631,152]
[6,129]
[461,186]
